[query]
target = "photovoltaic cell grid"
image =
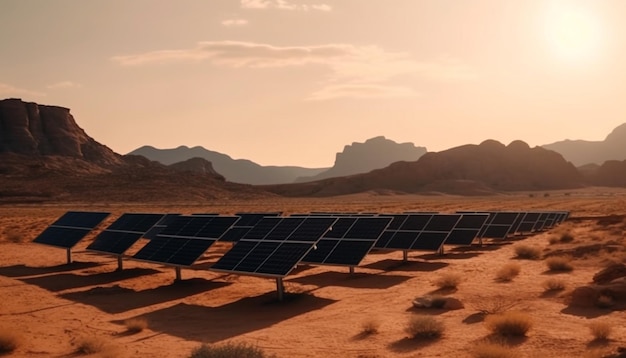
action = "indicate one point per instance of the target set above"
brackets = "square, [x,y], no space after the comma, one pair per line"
[159,226]
[185,239]
[70,228]
[123,233]
[466,229]
[348,241]
[245,223]
[427,232]
[274,246]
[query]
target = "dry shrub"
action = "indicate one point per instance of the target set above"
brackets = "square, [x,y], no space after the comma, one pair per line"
[566,237]
[424,327]
[91,345]
[448,280]
[229,350]
[497,304]
[508,272]
[13,235]
[559,264]
[554,284]
[136,325]
[493,350]
[600,330]
[9,340]
[512,323]
[370,326]
[527,252]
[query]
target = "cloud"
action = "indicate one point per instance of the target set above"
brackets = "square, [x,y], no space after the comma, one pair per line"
[362,90]
[7,90]
[283,5]
[357,71]
[64,85]
[234,22]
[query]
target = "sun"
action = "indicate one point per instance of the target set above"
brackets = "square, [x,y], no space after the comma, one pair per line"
[573,34]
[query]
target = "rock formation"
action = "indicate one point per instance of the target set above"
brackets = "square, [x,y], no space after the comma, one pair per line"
[581,152]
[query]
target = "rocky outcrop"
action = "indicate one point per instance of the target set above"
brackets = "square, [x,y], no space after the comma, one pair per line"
[235,170]
[375,153]
[478,168]
[196,165]
[581,152]
[38,130]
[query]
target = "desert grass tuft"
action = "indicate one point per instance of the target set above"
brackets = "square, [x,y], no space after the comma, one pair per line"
[9,340]
[554,284]
[229,350]
[560,264]
[370,326]
[600,330]
[496,305]
[136,325]
[448,281]
[493,350]
[14,235]
[527,252]
[91,345]
[509,324]
[424,327]
[507,272]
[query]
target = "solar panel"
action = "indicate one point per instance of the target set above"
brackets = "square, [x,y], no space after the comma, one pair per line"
[418,231]
[159,226]
[528,222]
[70,228]
[499,224]
[123,233]
[348,241]
[185,239]
[274,246]
[466,229]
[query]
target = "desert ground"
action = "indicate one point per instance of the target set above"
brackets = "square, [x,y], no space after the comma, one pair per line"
[52,307]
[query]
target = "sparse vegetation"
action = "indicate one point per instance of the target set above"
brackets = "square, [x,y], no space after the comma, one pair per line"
[229,350]
[495,305]
[90,345]
[424,327]
[448,281]
[559,264]
[600,330]
[554,284]
[13,235]
[563,239]
[509,324]
[508,272]
[9,341]
[136,325]
[527,252]
[370,326]
[491,349]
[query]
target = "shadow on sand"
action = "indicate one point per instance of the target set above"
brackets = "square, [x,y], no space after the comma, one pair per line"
[66,281]
[354,280]
[406,266]
[117,299]
[24,271]
[407,344]
[213,324]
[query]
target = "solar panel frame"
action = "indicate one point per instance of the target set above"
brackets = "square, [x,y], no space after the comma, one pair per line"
[70,228]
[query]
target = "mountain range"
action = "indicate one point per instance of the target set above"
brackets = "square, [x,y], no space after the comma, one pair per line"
[46,156]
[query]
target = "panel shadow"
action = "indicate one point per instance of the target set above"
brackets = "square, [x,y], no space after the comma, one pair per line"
[66,281]
[355,280]
[23,270]
[214,324]
[407,266]
[117,299]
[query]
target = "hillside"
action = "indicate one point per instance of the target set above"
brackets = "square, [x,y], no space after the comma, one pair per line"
[582,152]
[374,153]
[467,170]
[46,156]
[235,170]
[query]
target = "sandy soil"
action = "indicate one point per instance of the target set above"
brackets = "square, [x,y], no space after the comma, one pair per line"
[53,306]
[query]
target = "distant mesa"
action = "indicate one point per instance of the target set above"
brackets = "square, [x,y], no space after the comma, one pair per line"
[375,153]
[582,152]
[234,170]
[196,165]
[487,168]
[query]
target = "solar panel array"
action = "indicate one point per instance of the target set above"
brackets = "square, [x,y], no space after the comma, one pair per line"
[418,231]
[185,239]
[124,232]
[70,228]
[348,241]
[274,246]
[246,222]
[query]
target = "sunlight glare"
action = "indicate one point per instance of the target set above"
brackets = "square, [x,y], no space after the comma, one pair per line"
[574,34]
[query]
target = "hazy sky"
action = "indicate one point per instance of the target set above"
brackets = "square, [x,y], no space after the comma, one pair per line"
[290,82]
